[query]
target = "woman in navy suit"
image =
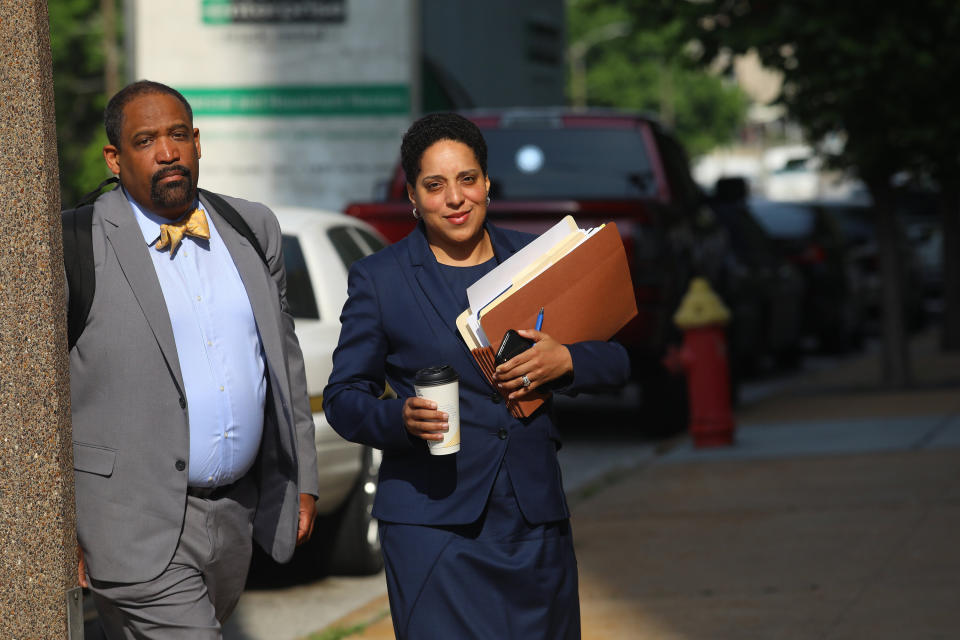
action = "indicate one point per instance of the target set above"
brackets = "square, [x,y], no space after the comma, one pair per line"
[476,544]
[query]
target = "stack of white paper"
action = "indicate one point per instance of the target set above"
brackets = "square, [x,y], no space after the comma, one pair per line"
[516,271]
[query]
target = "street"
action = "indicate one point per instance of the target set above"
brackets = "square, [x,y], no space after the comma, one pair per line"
[285,612]
[830,517]
[606,443]
[602,443]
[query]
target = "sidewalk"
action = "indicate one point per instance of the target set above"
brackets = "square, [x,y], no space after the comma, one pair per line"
[835,515]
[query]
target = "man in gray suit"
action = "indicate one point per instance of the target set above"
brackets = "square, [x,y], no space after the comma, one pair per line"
[192,428]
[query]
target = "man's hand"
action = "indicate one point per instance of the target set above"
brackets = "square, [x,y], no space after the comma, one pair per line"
[82,569]
[308,514]
[544,362]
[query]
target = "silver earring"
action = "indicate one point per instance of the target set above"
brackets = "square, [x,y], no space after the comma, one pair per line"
[415,214]
[488,201]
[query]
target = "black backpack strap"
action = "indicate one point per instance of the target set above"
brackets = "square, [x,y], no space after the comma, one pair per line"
[78,254]
[78,260]
[78,263]
[93,195]
[236,221]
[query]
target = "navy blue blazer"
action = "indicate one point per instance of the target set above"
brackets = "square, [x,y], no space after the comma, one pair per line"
[400,316]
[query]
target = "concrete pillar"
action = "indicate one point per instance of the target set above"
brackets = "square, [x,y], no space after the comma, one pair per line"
[37,526]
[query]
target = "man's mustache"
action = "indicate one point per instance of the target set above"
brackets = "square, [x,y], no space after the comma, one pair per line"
[168,171]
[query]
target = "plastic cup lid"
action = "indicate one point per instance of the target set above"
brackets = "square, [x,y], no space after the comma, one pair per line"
[429,376]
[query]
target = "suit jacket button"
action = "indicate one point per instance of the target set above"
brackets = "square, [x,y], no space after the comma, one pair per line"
[181,465]
[183,402]
[495,398]
[502,434]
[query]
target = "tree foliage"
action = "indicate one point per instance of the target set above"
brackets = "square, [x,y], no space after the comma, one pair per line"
[77,46]
[652,68]
[877,73]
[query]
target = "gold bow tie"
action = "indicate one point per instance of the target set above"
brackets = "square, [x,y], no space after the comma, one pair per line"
[194,224]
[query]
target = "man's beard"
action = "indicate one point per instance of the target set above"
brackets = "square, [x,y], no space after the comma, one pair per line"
[175,194]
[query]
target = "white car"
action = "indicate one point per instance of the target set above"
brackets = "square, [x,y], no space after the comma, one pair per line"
[319,247]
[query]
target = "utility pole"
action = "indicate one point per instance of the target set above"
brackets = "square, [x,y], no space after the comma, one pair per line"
[111,56]
[667,104]
[577,58]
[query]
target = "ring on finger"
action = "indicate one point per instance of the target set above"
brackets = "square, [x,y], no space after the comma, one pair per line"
[525,380]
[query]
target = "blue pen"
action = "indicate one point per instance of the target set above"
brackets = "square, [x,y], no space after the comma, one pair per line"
[539,319]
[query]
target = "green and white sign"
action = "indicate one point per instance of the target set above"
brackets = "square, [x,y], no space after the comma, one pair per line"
[298,102]
[234,11]
[345,100]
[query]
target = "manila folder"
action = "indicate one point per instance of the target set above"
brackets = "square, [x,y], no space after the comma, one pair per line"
[586,295]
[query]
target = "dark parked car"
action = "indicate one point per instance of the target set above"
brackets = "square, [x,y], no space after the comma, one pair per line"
[918,211]
[811,237]
[858,223]
[766,299]
[927,240]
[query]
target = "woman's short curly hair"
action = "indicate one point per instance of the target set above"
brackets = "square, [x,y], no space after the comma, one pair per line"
[433,128]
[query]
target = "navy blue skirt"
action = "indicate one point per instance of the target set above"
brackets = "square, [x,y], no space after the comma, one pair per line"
[498,578]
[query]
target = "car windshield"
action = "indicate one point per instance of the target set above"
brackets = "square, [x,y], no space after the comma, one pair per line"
[856,223]
[346,246]
[300,298]
[784,220]
[747,237]
[552,163]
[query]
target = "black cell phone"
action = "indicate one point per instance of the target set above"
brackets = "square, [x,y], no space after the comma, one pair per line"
[513,343]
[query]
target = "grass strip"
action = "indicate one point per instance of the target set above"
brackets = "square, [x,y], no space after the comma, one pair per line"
[338,633]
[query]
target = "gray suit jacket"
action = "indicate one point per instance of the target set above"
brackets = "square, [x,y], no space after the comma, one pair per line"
[130,426]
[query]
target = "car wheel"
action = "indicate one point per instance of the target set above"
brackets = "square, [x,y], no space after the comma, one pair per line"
[663,408]
[841,336]
[789,358]
[356,543]
[344,542]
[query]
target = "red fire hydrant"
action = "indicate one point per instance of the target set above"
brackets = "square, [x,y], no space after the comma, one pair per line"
[703,357]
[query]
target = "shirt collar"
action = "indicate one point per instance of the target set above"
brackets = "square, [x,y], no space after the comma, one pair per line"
[150,222]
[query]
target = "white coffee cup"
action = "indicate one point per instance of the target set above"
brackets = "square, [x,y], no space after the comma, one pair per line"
[442,385]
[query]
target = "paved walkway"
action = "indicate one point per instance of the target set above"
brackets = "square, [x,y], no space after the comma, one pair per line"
[836,515]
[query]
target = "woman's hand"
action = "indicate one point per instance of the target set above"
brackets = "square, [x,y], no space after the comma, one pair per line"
[421,418]
[545,361]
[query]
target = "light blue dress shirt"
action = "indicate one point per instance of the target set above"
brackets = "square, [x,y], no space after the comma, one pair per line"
[219,348]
